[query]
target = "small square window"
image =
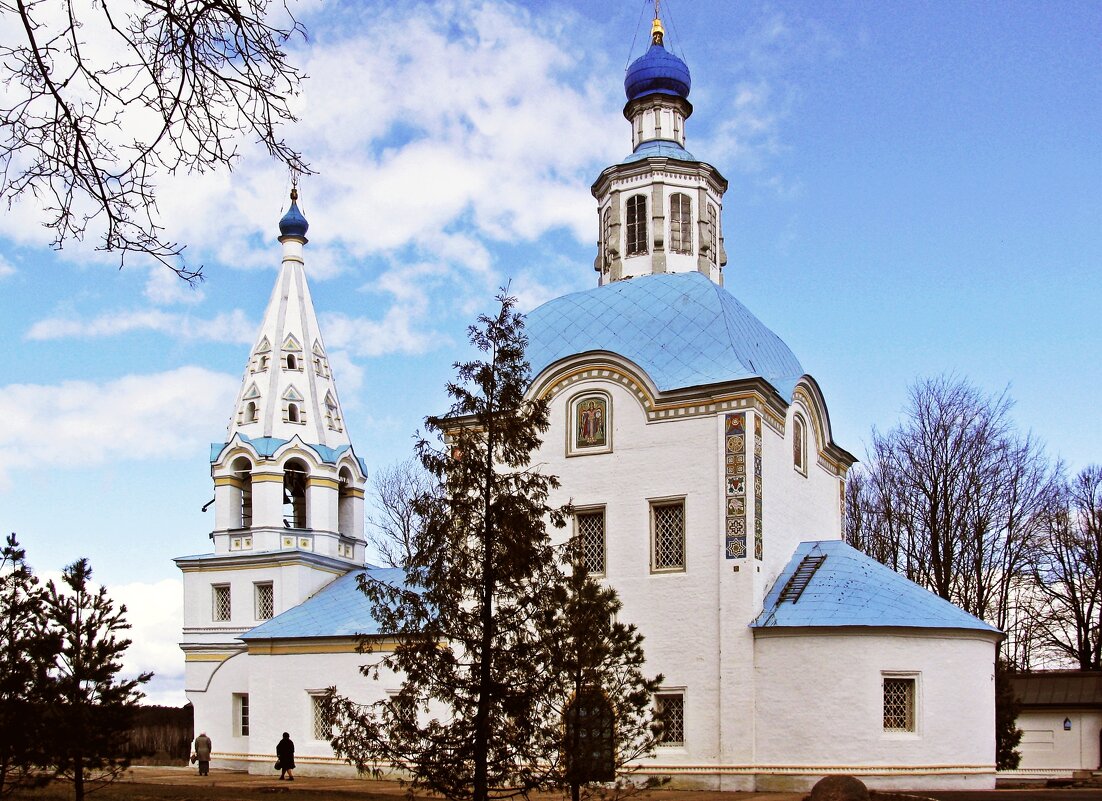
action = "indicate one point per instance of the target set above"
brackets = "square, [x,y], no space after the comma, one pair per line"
[670,710]
[668,536]
[220,602]
[899,704]
[591,530]
[265,601]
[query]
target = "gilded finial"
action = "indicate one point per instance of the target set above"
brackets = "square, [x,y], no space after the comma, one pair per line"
[294,184]
[657,31]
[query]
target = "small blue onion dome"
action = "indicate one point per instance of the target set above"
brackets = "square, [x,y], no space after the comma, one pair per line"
[657,72]
[293,223]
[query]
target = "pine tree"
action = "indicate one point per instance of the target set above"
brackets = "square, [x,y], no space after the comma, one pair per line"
[91,708]
[602,696]
[1007,707]
[479,571]
[25,655]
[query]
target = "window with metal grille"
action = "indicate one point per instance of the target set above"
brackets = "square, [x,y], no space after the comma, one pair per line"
[220,602]
[668,522]
[713,234]
[265,601]
[637,225]
[670,709]
[899,704]
[322,723]
[681,231]
[591,530]
[241,713]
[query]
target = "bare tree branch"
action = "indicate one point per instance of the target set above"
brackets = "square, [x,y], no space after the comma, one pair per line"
[99,99]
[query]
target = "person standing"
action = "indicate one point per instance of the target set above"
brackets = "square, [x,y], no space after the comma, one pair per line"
[202,753]
[285,751]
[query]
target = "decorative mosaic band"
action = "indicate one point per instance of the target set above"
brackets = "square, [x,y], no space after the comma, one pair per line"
[757,487]
[734,442]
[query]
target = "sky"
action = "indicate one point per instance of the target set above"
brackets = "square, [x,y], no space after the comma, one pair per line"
[915,191]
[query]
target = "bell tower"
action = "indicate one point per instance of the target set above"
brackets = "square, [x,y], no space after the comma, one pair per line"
[288,486]
[659,210]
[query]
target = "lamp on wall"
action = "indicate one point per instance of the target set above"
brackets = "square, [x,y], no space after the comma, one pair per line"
[1067,724]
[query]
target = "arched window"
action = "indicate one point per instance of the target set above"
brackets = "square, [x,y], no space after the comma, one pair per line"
[346,516]
[242,471]
[637,225]
[292,363]
[799,444]
[294,494]
[713,234]
[590,738]
[250,412]
[292,413]
[681,224]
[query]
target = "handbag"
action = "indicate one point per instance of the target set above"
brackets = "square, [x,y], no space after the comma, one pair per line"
[194,758]
[277,765]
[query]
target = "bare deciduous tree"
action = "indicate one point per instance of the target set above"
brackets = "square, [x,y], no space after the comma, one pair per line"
[99,98]
[955,499]
[394,520]
[1068,573]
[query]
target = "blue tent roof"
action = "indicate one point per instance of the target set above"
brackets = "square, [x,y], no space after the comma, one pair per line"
[852,589]
[681,328]
[339,609]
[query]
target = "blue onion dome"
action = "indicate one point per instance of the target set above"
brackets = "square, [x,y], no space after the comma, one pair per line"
[657,71]
[293,223]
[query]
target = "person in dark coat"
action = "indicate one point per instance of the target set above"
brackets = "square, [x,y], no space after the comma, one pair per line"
[286,753]
[202,753]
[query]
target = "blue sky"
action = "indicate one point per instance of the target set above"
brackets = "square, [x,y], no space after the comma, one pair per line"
[915,189]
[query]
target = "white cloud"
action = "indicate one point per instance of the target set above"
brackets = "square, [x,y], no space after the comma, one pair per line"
[233,327]
[157,416]
[155,612]
[165,288]
[6,267]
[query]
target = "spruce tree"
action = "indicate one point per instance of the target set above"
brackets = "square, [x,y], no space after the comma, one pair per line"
[91,707]
[479,569]
[26,653]
[487,606]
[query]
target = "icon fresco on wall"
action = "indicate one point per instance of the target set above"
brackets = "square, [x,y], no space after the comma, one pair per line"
[590,423]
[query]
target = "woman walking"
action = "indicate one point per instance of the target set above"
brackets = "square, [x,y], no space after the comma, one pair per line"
[286,753]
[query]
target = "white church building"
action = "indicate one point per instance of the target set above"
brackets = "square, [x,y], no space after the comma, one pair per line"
[709,492]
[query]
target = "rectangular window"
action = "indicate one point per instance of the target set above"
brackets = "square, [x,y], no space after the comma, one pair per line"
[322,725]
[899,704]
[668,535]
[670,711]
[636,225]
[241,714]
[591,530]
[713,234]
[220,602]
[681,232]
[265,601]
[658,123]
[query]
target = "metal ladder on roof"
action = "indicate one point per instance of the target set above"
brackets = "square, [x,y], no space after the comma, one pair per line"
[801,578]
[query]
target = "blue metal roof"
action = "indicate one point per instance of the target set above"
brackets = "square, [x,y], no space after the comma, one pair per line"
[338,609]
[266,447]
[659,147]
[657,71]
[681,328]
[852,589]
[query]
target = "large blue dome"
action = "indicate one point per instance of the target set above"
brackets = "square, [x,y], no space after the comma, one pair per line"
[657,72]
[681,328]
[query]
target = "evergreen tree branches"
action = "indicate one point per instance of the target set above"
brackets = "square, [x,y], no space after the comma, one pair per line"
[498,631]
